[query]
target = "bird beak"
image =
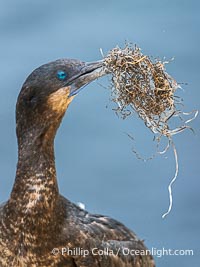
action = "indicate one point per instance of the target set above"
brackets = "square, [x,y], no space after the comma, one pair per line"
[88,73]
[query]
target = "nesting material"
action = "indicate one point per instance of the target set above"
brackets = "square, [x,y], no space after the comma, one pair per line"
[141,85]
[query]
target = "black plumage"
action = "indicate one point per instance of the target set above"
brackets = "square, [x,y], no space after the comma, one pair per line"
[38,226]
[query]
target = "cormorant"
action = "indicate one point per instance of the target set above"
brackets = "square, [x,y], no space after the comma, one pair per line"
[38,226]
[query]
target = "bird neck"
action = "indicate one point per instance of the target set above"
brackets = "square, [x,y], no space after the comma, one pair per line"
[35,189]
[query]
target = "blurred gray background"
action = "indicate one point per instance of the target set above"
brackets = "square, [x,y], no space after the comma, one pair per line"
[95,164]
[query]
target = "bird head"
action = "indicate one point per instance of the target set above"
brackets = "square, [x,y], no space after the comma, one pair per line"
[47,92]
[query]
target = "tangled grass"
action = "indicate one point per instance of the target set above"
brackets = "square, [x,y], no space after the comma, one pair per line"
[141,85]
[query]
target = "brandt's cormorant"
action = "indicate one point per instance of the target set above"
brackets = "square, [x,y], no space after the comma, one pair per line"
[38,226]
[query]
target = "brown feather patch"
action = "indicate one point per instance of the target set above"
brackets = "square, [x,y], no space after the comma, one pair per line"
[60,100]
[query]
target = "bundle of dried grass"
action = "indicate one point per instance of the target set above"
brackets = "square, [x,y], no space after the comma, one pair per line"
[141,85]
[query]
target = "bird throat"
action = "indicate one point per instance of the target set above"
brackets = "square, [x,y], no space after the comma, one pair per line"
[35,197]
[35,205]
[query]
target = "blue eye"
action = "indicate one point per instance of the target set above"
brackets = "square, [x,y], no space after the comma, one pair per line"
[61,75]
